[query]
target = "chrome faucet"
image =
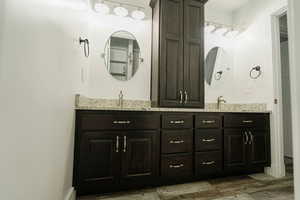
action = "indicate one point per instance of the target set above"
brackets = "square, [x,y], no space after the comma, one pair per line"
[121,97]
[219,101]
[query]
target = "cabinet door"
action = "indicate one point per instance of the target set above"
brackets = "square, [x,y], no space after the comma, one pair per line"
[99,162]
[235,149]
[171,55]
[140,155]
[259,148]
[193,53]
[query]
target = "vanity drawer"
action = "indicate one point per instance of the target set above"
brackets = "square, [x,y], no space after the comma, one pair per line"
[119,121]
[208,139]
[177,141]
[177,166]
[246,120]
[206,120]
[208,163]
[175,121]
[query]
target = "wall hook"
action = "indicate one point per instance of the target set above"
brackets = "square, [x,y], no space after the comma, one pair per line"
[255,69]
[86,46]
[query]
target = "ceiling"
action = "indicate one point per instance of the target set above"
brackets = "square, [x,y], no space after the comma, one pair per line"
[226,5]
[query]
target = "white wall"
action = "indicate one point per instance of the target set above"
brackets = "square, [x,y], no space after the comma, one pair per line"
[254,47]
[40,66]
[294,43]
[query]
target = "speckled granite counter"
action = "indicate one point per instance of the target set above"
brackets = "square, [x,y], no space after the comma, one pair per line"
[85,103]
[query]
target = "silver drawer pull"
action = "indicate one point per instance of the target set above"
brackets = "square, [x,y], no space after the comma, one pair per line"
[177,122]
[122,122]
[247,121]
[209,163]
[208,140]
[176,141]
[209,121]
[176,166]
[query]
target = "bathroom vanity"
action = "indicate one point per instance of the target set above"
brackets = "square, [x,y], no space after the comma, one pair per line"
[117,150]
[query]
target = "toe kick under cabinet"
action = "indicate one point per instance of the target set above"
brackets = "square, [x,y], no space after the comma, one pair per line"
[118,150]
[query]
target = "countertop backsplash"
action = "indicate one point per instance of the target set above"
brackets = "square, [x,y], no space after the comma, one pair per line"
[85,103]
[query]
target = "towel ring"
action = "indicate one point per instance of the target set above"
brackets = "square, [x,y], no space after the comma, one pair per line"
[255,69]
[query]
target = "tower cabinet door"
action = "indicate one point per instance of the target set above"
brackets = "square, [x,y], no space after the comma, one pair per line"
[235,149]
[193,53]
[171,54]
[259,148]
[140,156]
[99,163]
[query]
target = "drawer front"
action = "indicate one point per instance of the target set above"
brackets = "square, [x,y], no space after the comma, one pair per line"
[177,166]
[119,121]
[177,141]
[177,121]
[208,163]
[208,121]
[246,120]
[208,139]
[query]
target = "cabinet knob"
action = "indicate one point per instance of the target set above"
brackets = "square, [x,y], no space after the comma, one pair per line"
[176,141]
[122,122]
[247,137]
[209,163]
[181,96]
[117,144]
[209,140]
[176,166]
[177,122]
[125,144]
[208,121]
[247,121]
[186,97]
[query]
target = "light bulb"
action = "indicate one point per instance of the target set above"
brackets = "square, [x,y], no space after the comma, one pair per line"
[121,11]
[102,8]
[138,14]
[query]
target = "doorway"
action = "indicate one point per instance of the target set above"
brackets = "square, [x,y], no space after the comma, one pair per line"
[286,94]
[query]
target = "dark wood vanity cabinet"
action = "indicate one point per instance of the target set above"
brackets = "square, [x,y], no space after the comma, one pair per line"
[246,141]
[117,150]
[178,53]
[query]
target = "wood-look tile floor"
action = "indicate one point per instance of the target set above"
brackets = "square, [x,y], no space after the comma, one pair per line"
[253,187]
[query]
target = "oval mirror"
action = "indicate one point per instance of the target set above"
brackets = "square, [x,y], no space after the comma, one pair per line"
[216,65]
[122,55]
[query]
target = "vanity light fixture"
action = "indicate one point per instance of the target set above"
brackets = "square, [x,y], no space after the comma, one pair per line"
[121,11]
[221,29]
[138,14]
[104,7]
[101,7]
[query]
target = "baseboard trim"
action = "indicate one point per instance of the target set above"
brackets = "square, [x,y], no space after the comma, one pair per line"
[71,194]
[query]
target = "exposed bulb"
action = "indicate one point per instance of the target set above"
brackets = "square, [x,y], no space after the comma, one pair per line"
[102,8]
[121,11]
[138,14]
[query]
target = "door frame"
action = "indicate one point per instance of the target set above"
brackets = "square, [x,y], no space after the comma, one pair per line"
[277,144]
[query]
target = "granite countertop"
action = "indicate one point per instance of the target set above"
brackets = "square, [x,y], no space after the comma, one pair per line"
[85,103]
